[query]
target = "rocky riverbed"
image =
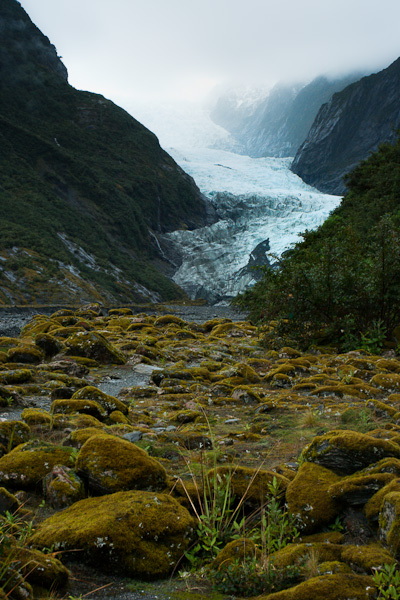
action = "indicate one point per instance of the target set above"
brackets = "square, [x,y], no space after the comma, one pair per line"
[112,416]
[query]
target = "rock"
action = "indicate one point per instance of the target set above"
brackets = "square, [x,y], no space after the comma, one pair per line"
[48,344]
[346,452]
[308,497]
[36,416]
[13,433]
[8,502]
[70,367]
[15,376]
[389,521]
[42,569]
[71,406]
[62,487]
[25,354]
[91,344]
[133,436]
[109,403]
[357,489]
[389,382]
[135,533]
[253,485]
[343,586]
[27,465]
[111,464]
[236,551]
[373,507]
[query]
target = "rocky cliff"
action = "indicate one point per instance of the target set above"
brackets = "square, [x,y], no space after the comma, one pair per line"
[85,188]
[349,128]
[278,123]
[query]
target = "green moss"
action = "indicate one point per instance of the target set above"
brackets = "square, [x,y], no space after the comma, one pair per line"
[91,344]
[138,534]
[13,433]
[36,416]
[389,521]
[329,587]
[348,451]
[15,376]
[308,497]
[26,465]
[366,558]
[112,464]
[71,406]
[109,403]
[250,484]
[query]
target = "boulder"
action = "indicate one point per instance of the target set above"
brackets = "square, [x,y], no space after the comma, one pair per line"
[111,464]
[308,497]
[389,521]
[135,533]
[70,406]
[346,452]
[91,344]
[343,586]
[27,465]
[109,403]
[13,433]
[62,487]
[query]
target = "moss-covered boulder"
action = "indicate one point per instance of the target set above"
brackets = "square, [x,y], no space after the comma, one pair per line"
[337,586]
[36,416]
[13,433]
[41,569]
[25,354]
[91,344]
[27,465]
[308,497]
[237,550]
[8,502]
[373,506]
[15,376]
[389,521]
[48,344]
[62,487]
[109,403]
[139,534]
[366,558]
[357,489]
[348,451]
[253,485]
[70,406]
[111,464]
[388,382]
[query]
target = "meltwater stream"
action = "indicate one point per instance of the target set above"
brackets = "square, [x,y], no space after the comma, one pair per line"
[261,204]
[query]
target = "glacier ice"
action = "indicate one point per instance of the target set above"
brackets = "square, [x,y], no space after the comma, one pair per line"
[256,199]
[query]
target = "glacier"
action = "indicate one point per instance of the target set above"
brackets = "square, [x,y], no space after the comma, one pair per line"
[261,205]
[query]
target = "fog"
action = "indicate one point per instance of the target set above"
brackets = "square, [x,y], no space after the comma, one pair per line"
[181,49]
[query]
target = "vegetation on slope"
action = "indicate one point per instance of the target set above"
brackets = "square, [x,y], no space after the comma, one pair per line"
[342,281]
[83,184]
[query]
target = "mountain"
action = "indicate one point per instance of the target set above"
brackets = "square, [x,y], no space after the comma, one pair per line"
[276,124]
[85,188]
[349,128]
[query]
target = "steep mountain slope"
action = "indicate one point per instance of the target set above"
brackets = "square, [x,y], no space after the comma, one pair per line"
[279,123]
[349,128]
[85,188]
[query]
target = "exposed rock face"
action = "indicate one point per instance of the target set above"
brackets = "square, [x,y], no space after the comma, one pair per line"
[86,188]
[349,128]
[279,123]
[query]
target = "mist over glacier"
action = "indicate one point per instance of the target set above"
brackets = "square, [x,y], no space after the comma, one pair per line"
[262,206]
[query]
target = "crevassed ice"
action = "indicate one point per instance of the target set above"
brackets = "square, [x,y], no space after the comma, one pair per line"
[256,199]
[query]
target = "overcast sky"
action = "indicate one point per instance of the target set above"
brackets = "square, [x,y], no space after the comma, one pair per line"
[167,49]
